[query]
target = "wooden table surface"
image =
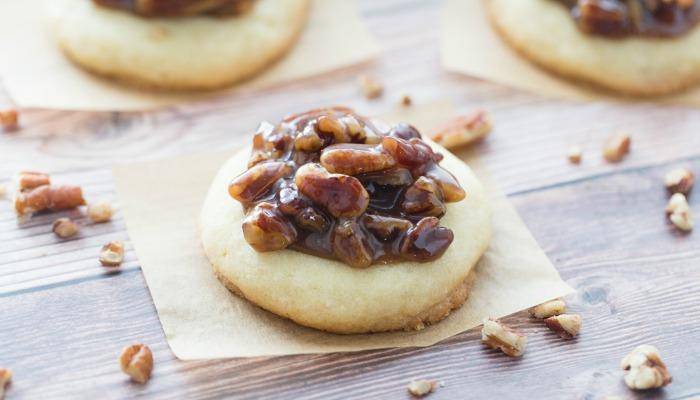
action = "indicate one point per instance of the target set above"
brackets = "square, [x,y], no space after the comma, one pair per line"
[63,320]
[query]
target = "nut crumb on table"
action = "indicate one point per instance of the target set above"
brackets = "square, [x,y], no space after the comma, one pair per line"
[112,254]
[498,336]
[574,154]
[100,211]
[137,362]
[32,179]
[679,180]
[548,309]
[463,130]
[5,379]
[371,87]
[35,193]
[565,325]
[421,387]
[9,118]
[644,369]
[679,213]
[617,147]
[64,228]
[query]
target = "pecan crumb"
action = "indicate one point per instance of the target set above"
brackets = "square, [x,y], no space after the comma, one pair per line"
[616,147]
[463,130]
[679,180]
[36,194]
[137,362]
[406,100]
[64,228]
[644,369]
[548,309]
[679,212]
[566,325]
[371,88]
[99,212]
[498,336]
[421,387]
[574,154]
[32,179]
[5,378]
[112,254]
[9,119]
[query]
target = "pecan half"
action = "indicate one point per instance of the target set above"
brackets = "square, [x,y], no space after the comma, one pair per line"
[341,195]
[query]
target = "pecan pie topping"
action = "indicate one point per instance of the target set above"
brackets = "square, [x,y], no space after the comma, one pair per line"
[331,183]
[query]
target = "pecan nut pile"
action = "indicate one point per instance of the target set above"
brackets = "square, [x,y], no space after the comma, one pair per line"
[620,18]
[178,8]
[333,184]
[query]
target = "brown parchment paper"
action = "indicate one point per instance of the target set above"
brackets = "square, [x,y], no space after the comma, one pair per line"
[161,202]
[36,74]
[470,46]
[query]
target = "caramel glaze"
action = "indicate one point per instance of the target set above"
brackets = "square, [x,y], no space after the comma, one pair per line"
[178,8]
[384,229]
[625,18]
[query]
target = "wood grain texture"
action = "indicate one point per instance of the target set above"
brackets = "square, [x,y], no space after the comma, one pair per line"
[64,320]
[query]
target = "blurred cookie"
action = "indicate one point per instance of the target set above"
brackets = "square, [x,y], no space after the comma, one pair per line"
[628,47]
[203,51]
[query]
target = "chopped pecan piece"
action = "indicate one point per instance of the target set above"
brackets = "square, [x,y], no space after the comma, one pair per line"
[386,228]
[371,87]
[112,254]
[64,228]
[257,181]
[137,362]
[265,229]
[355,159]
[32,179]
[404,131]
[574,154]
[463,130]
[5,379]
[341,195]
[644,369]
[349,245]
[100,211]
[498,336]
[451,190]
[424,197]
[311,220]
[9,118]
[565,325]
[421,387]
[679,180]
[617,147]
[548,309]
[679,212]
[426,241]
[48,197]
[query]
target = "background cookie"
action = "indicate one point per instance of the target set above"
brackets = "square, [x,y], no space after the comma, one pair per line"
[332,296]
[545,33]
[176,53]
